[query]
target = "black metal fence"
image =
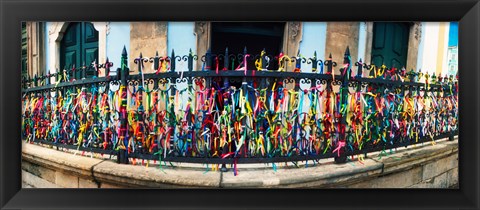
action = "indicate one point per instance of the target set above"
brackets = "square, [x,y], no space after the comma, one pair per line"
[220,115]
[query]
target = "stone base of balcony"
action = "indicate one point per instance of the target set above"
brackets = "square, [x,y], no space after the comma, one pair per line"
[421,166]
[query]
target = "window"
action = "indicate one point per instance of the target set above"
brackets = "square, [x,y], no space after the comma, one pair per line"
[79,47]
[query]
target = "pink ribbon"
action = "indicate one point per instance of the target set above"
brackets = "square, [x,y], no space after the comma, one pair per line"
[340,145]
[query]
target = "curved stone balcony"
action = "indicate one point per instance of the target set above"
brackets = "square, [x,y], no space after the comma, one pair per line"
[222,116]
[422,166]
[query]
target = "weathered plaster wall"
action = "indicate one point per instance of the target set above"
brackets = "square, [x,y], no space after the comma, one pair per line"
[147,38]
[413,45]
[339,36]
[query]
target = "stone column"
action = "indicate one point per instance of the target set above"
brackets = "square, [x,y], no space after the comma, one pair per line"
[413,43]
[147,38]
[339,36]
[35,46]
[203,32]
[291,41]
[368,47]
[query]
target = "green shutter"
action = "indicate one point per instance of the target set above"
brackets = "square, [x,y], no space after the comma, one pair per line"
[24,49]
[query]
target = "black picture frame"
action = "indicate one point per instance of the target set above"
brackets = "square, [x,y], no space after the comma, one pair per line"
[12,196]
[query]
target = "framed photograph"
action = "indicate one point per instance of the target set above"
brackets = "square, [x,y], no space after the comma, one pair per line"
[216,104]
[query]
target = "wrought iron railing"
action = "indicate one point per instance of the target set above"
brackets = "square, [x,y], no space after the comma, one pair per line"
[219,115]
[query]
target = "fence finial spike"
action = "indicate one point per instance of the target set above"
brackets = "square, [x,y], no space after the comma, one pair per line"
[173,52]
[141,55]
[330,56]
[124,51]
[315,54]
[347,51]
[156,53]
